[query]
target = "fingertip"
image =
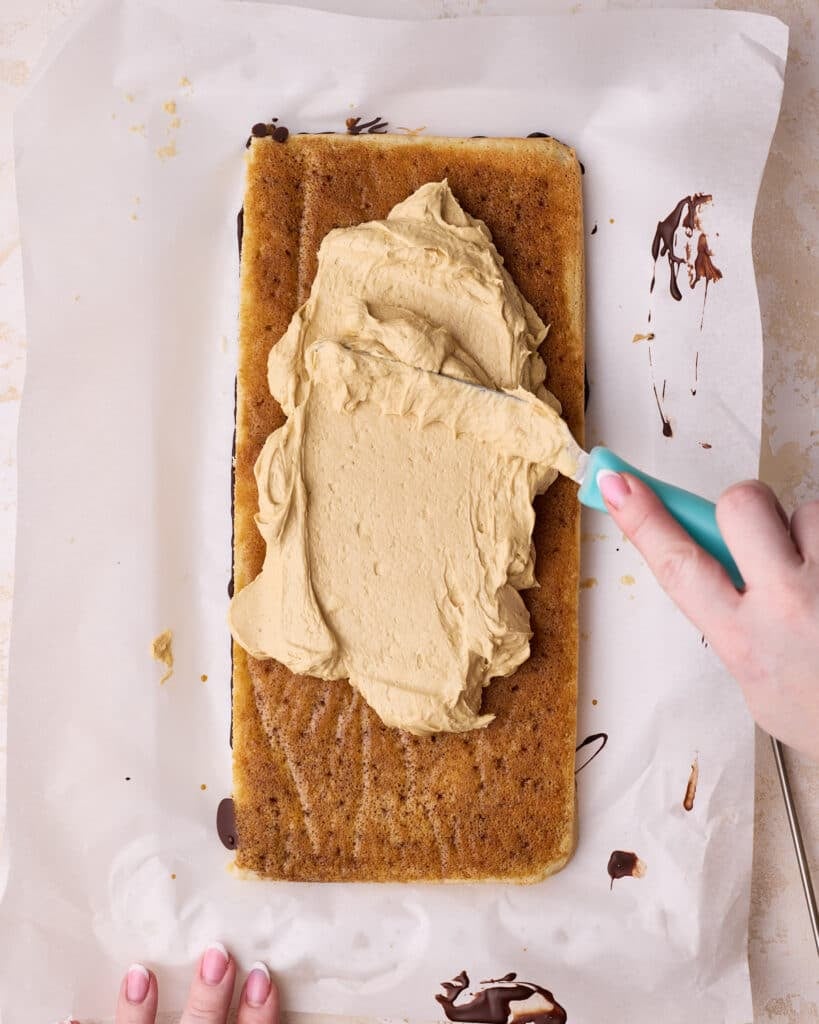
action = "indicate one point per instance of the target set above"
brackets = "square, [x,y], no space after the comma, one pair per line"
[757,532]
[138,996]
[259,1003]
[736,499]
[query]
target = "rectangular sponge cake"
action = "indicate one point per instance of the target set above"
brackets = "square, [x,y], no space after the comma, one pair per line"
[323,791]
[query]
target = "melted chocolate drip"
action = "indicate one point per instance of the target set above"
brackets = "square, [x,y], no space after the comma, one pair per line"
[493,1005]
[355,126]
[622,864]
[595,736]
[240,230]
[538,135]
[586,388]
[696,368]
[511,976]
[226,823]
[685,214]
[667,431]
[594,230]
[454,988]
[691,788]
[663,244]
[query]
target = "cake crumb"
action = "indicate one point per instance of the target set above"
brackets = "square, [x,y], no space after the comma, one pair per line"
[169,107]
[165,152]
[137,129]
[162,650]
[173,877]
[643,337]
[203,786]
[203,677]
[628,580]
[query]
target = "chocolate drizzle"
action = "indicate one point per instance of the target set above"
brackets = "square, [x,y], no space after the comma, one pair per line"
[493,1005]
[663,242]
[226,823]
[686,214]
[355,126]
[667,431]
[595,736]
[624,864]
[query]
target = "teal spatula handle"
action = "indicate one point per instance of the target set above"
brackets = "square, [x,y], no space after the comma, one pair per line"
[693,513]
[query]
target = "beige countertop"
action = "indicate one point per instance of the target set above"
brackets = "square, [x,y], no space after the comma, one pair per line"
[784,965]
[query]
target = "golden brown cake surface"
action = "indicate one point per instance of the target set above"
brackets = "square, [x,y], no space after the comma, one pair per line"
[322,789]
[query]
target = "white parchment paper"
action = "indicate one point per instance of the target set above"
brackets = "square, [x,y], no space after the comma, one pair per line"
[130,163]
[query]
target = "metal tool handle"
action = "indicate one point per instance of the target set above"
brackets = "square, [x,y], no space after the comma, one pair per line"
[798,842]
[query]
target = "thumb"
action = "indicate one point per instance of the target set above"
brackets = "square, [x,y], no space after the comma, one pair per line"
[695,581]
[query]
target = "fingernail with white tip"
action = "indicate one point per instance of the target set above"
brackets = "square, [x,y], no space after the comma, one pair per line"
[137,983]
[613,487]
[257,988]
[214,963]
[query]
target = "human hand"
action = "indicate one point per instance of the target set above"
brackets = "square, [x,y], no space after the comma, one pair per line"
[210,993]
[768,634]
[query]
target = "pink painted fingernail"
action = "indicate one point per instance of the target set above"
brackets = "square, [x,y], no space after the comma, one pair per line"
[137,983]
[613,487]
[214,963]
[257,988]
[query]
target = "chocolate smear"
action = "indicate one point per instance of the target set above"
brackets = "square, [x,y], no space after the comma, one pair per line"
[226,823]
[355,126]
[586,388]
[594,230]
[623,864]
[596,737]
[691,788]
[696,369]
[685,216]
[240,230]
[664,238]
[704,268]
[538,135]
[493,1004]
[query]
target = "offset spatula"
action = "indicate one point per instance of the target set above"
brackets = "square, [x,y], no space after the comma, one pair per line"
[515,420]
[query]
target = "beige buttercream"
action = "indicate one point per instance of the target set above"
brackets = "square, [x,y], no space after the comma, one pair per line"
[396,502]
